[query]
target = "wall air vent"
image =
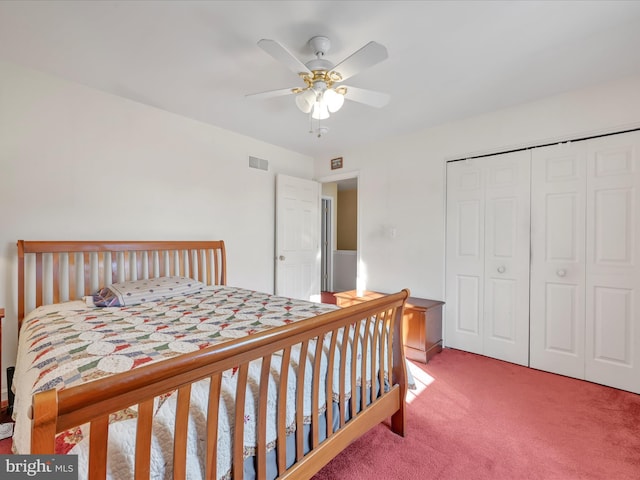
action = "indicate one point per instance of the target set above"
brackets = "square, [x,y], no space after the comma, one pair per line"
[259,163]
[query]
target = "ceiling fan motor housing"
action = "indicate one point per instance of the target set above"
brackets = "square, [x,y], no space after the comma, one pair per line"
[319,45]
[319,64]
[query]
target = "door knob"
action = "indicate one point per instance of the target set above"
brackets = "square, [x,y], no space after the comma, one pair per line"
[501,269]
[281,257]
[561,272]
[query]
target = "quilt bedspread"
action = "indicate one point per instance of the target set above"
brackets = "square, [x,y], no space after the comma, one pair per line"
[68,347]
[72,343]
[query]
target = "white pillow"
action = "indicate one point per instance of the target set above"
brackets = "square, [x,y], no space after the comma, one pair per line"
[135,292]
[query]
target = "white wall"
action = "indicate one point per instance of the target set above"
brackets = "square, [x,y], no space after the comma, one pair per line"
[402,181]
[76,163]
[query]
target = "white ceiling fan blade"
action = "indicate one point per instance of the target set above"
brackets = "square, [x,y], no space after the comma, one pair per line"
[368,97]
[283,55]
[366,57]
[270,93]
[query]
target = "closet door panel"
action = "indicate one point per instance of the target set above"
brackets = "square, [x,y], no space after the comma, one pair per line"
[562,321]
[557,259]
[464,256]
[468,290]
[612,270]
[613,315]
[502,322]
[506,313]
[561,218]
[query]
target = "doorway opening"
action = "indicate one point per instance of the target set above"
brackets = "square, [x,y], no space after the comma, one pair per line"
[340,239]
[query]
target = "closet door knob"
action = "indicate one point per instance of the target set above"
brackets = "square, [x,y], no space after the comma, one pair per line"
[561,272]
[501,269]
[281,258]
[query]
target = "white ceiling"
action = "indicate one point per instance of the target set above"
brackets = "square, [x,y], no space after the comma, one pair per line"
[447,59]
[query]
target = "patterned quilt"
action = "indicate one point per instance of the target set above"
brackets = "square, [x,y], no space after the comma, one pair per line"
[69,344]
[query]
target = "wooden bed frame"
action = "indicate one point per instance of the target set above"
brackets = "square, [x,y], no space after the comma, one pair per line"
[50,272]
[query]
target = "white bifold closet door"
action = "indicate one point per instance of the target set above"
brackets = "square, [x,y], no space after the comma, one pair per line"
[487,259]
[585,277]
[558,216]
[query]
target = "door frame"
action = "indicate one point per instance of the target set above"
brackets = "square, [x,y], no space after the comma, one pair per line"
[326,231]
[361,280]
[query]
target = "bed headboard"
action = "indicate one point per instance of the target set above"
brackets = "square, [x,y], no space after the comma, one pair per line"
[58,271]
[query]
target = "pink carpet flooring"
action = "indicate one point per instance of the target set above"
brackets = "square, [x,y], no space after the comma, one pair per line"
[475,418]
[478,418]
[5,446]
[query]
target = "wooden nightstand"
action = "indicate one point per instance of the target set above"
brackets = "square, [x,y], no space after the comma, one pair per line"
[421,323]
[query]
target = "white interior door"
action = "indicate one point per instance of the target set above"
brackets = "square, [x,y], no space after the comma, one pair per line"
[612,258]
[506,258]
[464,284]
[297,266]
[557,258]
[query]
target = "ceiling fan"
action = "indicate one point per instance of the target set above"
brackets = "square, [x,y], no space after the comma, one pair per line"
[323,92]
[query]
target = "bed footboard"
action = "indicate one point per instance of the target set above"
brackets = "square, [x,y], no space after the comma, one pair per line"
[358,348]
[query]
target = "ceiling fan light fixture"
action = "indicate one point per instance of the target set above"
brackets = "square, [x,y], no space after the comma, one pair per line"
[306,100]
[333,100]
[320,111]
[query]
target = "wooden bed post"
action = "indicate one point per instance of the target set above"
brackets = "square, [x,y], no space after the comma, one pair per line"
[399,371]
[45,413]
[223,264]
